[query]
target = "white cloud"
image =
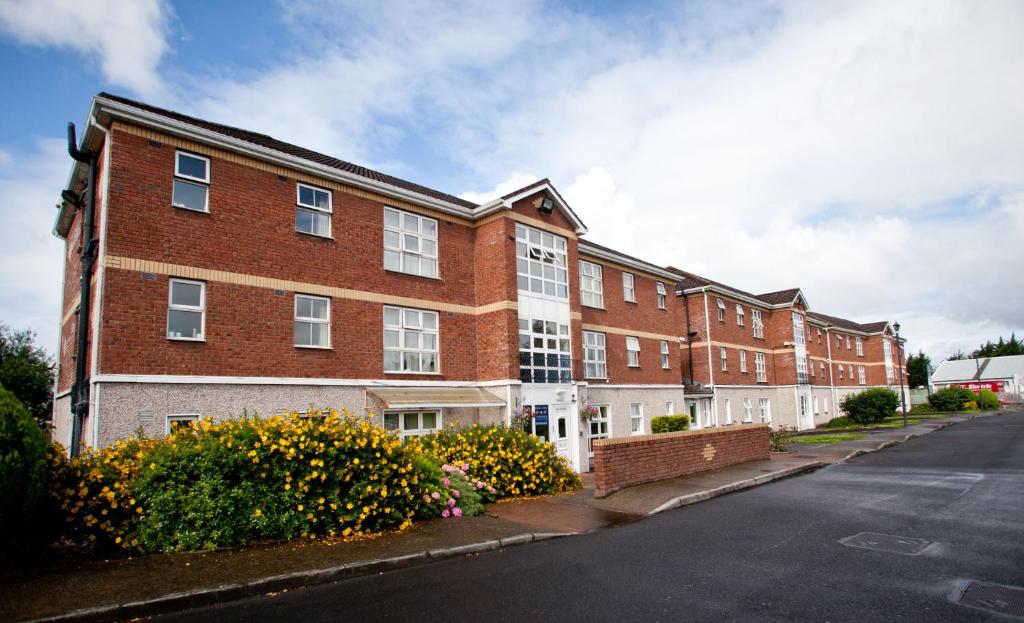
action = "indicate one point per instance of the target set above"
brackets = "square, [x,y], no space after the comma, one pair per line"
[514,182]
[126,37]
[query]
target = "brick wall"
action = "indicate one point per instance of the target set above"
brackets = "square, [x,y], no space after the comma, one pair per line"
[630,461]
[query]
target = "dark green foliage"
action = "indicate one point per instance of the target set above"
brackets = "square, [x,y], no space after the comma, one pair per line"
[26,371]
[918,367]
[669,423]
[951,398]
[989,400]
[840,422]
[1001,348]
[25,454]
[923,409]
[779,438]
[871,405]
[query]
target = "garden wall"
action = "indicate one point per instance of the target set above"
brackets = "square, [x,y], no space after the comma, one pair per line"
[627,461]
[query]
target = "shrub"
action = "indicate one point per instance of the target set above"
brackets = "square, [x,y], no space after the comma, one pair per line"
[779,438]
[951,398]
[25,456]
[989,399]
[922,409]
[669,423]
[840,422]
[512,461]
[871,405]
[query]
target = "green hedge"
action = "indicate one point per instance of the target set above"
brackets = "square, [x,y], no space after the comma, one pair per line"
[871,405]
[669,423]
[989,399]
[952,398]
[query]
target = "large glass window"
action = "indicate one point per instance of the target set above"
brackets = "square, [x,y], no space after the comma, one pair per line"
[591,284]
[759,368]
[410,243]
[541,266]
[312,321]
[757,322]
[628,289]
[186,309]
[544,352]
[313,210]
[410,340]
[798,329]
[412,423]
[887,352]
[594,355]
[191,182]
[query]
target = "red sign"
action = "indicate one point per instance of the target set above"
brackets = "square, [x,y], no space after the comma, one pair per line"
[995,386]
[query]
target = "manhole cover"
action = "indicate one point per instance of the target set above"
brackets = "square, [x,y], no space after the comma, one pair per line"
[887,543]
[994,598]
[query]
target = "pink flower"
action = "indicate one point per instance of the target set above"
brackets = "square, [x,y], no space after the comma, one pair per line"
[465,467]
[426,498]
[435,495]
[456,493]
[492,490]
[479,485]
[445,513]
[447,482]
[457,512]
[451,502]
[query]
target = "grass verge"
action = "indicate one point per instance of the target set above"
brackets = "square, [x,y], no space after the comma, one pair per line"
[828,438]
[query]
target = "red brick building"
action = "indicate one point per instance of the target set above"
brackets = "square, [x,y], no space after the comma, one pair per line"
[235,272]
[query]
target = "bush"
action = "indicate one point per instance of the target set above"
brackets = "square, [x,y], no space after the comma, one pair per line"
[840,422]
[779,438]
[922,409]
[26,514]
[871,405]
[951,398]
[213,485]
[512,461]
[669,423]
[989,399]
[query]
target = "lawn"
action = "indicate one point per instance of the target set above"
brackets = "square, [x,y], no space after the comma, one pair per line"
[828,438]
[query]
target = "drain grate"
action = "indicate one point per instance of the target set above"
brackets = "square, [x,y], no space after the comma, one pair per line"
[887,543]
[994,598]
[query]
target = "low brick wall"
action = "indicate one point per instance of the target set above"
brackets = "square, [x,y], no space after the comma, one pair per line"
[627,461]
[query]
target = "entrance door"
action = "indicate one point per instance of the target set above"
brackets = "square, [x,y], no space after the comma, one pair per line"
[560,429]
[598,426]
[694,415]
[806,417]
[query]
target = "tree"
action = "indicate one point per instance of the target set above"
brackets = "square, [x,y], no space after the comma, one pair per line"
[1001,348]
[26,370]
[957,356]
[918,368]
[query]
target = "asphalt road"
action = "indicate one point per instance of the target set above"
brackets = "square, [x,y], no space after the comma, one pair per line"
[767,554]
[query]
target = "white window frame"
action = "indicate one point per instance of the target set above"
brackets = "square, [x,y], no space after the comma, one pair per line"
[821,368]
[314,209]
[595,355]
[847,342]
[743,361]
[861,377]
[402,329]
[547,349]
[636,420]
[860,346]
[179,417]
[420,236]
[723,354]
[201,309]
[826,404]
[311,320]
[591,284]
[662,295]
[757,322]
[628,287]
[665,359]
[192,179]
[728,410]
[819,335]
[542,265]
[720,304]
[740,315]
[765,408]
[748,411]
[403,432]
[670,407]
[632,354]
[760,368]
[849,370]
[841,371]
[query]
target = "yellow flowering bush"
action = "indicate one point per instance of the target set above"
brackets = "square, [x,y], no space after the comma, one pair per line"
[512,462]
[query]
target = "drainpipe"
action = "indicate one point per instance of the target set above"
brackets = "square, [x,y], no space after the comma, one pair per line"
[689,334]
[80,389]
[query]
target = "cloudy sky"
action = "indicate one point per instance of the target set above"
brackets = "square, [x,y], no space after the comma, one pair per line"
[871,153]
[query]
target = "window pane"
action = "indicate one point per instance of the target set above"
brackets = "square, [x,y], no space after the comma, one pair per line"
[429,227]
[412,243]
[186,324]
[391,218]
[186,294]
[392,260]
[392,316]
[411,421]
[391,239]
[306,196]
[428,268]
[412,339]
[411,264]
[302,334]
[429,420]
[318,334]
[429,320]
[192,166]
[319,308]
[392,360]
[429,341]
[410,223]
[189,195]
[429,248]
[429,362]
[391,339]
[411,362]
[322,199]
[412,318]
[303,307]
[391,421]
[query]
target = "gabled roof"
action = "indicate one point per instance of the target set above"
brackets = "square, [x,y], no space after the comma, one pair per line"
[849,325]
[545,185]
[782,297]
[593,249]
[991,368]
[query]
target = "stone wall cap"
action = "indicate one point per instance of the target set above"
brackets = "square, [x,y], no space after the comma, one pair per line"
[598,443]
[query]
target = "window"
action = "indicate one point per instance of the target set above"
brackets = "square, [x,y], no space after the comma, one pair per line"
[757,322]
[412,423]
[739,314]
[598,428]
[860,375]
[887,353]
[849,368]
[798,329]
[728,411]
[839,341]
[847,342]
[721,309]
[743,361]
[801,369]
[594,360]
[860,347]
[840,370]
[544,353]
[636,418]
[591,288]
[541,266]
[821,368]
[186,309]
[313,210]
[826,404]
[632,352]
[670,408]
[816,410]
[810,365]
[723,355]
[410,340]
[661,295]
[664,355]
[819,336]
[191,182]
[759,368]
[410,243]
[179,420]
[312,321]
[766,410]
[628,291]
[747,415]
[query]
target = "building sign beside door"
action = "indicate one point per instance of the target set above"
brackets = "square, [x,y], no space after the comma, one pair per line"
[540,415]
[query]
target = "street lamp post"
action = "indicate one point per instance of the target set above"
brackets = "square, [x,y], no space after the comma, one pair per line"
[899,369]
